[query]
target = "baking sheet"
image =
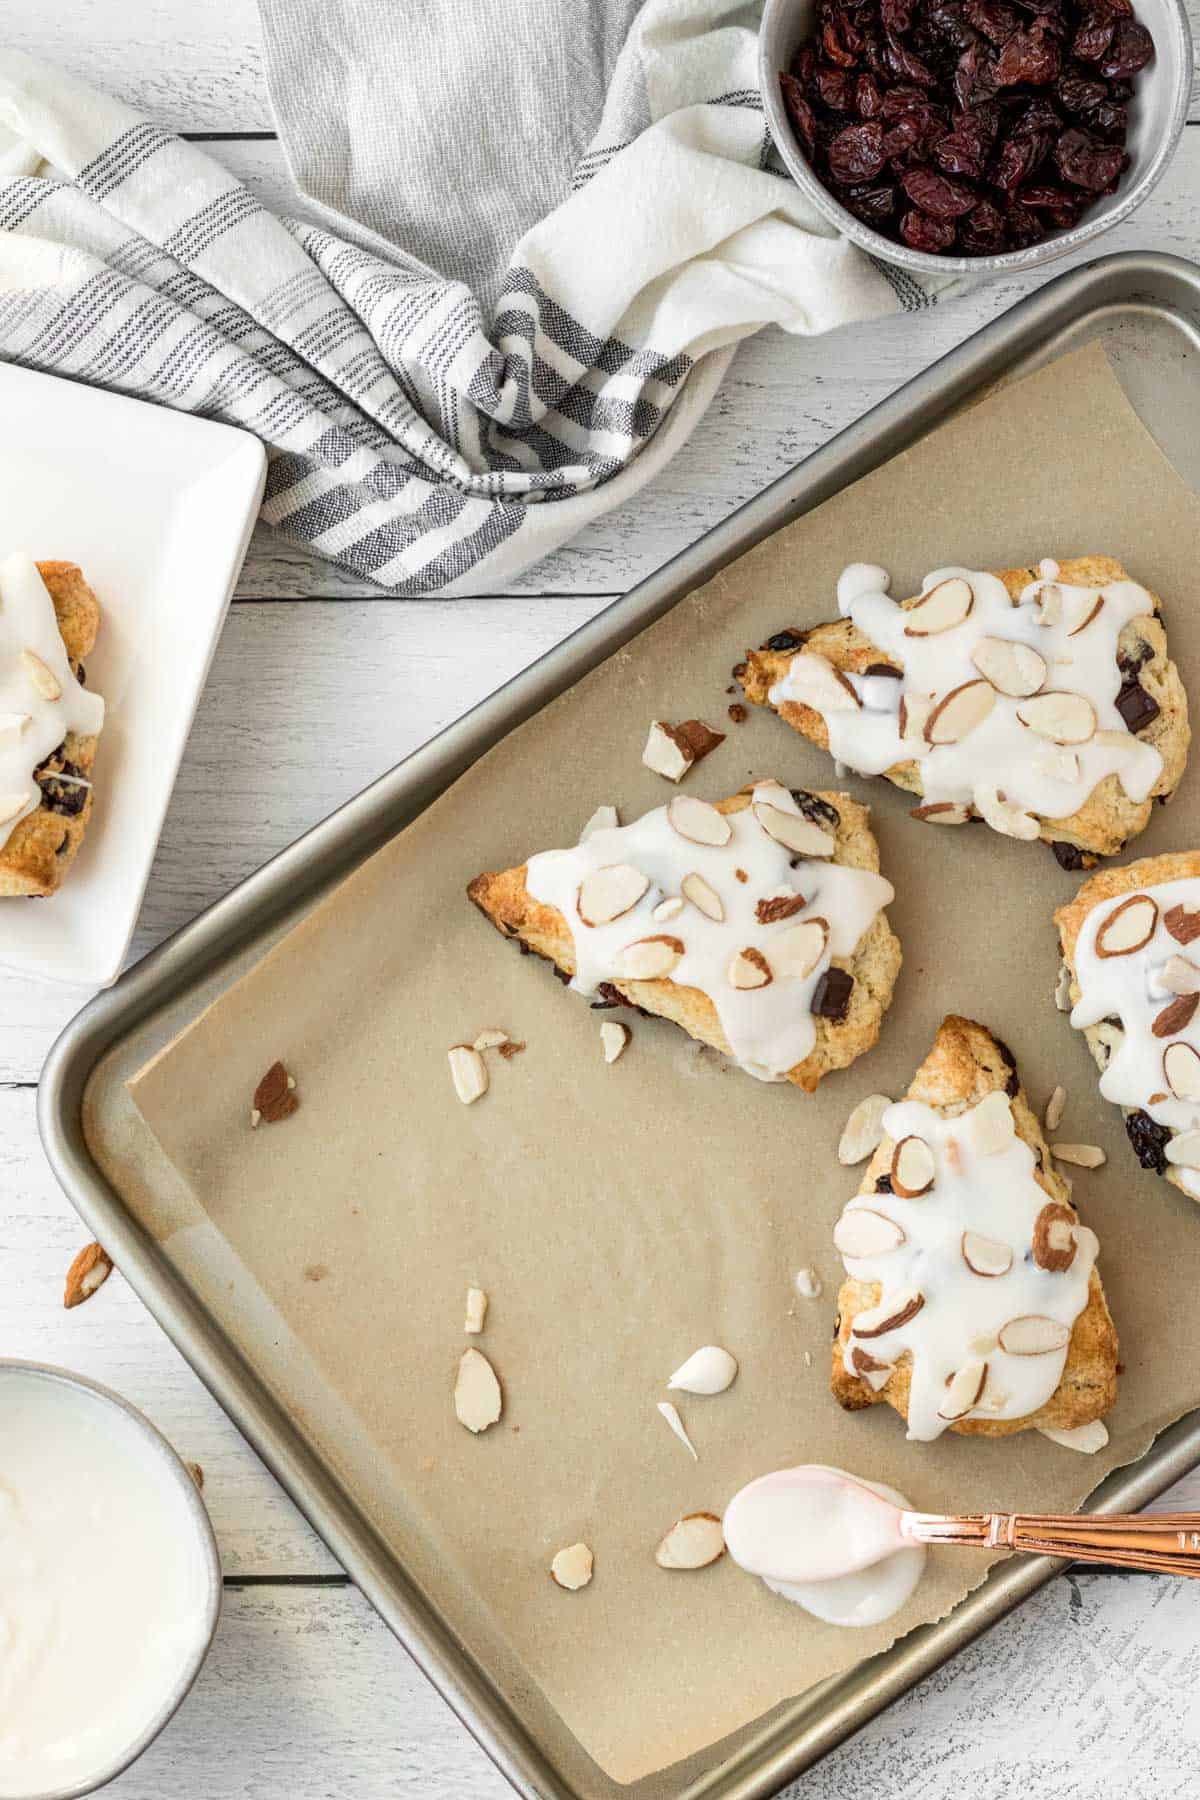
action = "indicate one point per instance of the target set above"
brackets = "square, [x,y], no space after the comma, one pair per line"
[619,1217]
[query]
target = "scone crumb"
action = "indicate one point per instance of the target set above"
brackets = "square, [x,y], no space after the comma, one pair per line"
[89,1270]
[808,1284]
[197,1474]
[1056,1106]
[572,1568]
[275,1096]
[511,1047]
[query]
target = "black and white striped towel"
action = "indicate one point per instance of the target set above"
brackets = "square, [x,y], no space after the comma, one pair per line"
[441,408]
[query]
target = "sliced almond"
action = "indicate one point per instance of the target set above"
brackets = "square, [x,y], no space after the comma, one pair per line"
[1090,610]
[912,1168]
[1083,1156]
[649,958]
[41,675]
[1176,1016]
[1054,1238]
[698,821]
[693,1542]
[814,681]
[794,832]
[870,1367]
[275,1096]
[1005,816]
[469,1073]
[941,609]
[90,1269]
[667,909]
[1015,669]
[1062,989]
[964,1391]
[893,1312]
[991,1124]
[1179,976]
[12,804]
[984,1255]
[1062,717]
[1049,602]
[1056,764]
[703,896]
[609,893]
[478,1402]
[572,1567]
[13,724]
[1087,1439]
[613,1038]
[1183,1150]
[671,1414]
[667,752]
[749,968]
[807,1284]
[491,1039]
[1184,926]
[603,819]
[1128,926]
[784,903]
[863,1130]
[1034,1335]
[914,716]
[1056,1106]
[796,952]
[476,1311]
[959,712]
[1181,1066]
[861,1231]
[943,812]
[700,738]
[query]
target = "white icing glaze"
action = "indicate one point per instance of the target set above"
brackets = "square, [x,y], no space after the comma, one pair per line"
[828,1541]
[709,1370]
[995,1195]
[1000,755]
[32,726]
[1130,988]
[770,1028]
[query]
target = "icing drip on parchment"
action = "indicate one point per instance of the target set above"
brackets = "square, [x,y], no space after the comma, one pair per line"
[1072,630]
[34,718]
[1154,982]
[770,1028]
[965,1249]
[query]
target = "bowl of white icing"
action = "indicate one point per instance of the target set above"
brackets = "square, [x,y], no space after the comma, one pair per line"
[110,1583]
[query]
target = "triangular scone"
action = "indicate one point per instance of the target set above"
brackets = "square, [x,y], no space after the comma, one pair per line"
[1133,990]
[785,959]
[41,847]
[980,1179]
[1151,704]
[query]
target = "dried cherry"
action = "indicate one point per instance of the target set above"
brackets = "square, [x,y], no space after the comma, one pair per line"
[1086,161]
[856,153]
[1032,57]
[922,232]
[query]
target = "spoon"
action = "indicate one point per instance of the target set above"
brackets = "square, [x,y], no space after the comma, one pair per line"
[1160,1543]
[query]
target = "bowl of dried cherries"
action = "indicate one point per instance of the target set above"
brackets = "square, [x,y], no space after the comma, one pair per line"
[975,135]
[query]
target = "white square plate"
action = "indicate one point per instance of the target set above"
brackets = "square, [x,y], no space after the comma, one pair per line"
[157,508]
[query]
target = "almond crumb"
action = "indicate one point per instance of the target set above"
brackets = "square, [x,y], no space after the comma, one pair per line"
[512,1047]
[613,1038]
[477,1305]
[572,1568]
[469,1073]
[196,1473]
[275,1096]
[90,1270]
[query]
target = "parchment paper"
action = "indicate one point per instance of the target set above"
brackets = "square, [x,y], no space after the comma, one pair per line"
[620,1217]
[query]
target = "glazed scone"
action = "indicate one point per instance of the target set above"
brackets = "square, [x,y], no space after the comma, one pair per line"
[49,722]
[1134,990]
[962,1196]
[755,923]
[1042,701]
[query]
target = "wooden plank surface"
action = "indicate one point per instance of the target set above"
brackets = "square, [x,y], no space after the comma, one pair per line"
[306,1693]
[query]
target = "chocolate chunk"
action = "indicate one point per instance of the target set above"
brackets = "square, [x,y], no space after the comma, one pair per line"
[884,669]
[786,640]
[1068,856]
[1012,1085]
[883,1184]
[816,810]
[1136,706]
[737,713]
[832,997]
[1149,1141]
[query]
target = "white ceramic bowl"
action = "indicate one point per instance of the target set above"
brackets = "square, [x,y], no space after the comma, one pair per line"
[191,1509]
[1157,114]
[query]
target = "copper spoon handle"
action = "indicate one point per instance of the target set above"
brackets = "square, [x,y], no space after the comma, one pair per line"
[1162,1543]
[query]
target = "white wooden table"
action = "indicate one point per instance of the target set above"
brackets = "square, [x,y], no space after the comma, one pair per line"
[1091,1689]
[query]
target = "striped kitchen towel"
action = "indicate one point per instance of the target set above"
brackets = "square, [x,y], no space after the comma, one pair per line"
[485,331]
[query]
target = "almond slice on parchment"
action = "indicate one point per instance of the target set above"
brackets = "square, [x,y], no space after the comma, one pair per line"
[478,1401]
[89,1270]
[693,1542]
[863,1130]
[572,1568]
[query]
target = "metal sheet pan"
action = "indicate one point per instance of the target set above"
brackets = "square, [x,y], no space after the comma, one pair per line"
[1146,310]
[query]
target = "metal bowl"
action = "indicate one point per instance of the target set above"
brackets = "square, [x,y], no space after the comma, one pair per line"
[1157,114]
[206,1542]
